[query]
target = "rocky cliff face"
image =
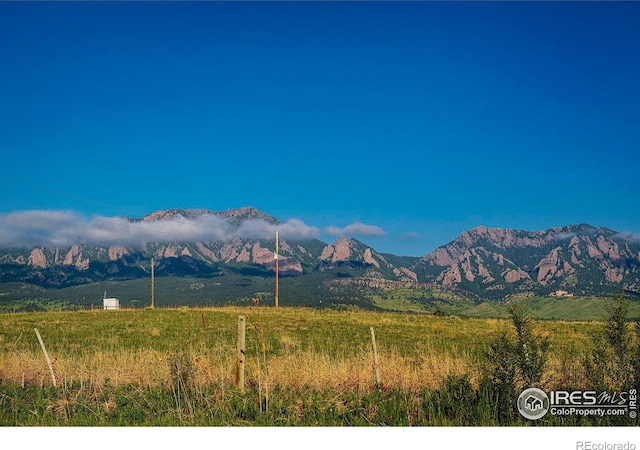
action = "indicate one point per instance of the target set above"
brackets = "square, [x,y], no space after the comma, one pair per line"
[56,266]
[236,216]
[353,253]
[487,262]
[580,258]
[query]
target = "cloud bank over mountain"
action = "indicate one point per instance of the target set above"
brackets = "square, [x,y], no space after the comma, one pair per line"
[65,228]
[628,236]
[355,229]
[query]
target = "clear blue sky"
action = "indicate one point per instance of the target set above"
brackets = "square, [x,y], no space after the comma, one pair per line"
[417,119]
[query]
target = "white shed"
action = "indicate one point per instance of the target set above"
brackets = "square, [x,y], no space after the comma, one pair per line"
[110,303]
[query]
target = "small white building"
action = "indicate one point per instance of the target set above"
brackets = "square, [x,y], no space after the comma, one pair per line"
[110,303]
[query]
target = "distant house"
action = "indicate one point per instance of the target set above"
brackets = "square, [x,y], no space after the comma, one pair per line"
[110,303]
[560,293]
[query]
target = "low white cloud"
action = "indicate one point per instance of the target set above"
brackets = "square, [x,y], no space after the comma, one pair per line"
[411,235]
[355,229]
[293,229]
[65,228]
[627,236]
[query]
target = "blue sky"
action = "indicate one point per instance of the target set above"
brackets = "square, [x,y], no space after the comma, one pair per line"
[400,124]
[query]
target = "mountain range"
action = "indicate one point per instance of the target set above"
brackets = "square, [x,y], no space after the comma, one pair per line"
[481,263]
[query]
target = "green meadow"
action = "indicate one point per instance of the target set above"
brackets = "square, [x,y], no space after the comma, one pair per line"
[311,367]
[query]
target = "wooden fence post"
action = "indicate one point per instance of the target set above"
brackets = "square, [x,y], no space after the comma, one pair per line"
[375,358]
[240,353]
[46,356]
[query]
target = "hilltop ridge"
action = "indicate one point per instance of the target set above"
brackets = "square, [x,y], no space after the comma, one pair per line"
[485,263]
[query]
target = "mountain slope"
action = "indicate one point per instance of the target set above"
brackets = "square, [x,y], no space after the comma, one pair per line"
[348,252]
[481,263]
[495,262]
[236,216]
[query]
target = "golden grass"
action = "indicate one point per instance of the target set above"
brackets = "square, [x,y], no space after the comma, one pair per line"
[293,370]
[293,348]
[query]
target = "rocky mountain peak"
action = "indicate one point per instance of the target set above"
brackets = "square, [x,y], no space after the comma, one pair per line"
[351,251]
[501,260]
[239,215]
[236,215]
[170,214]
[342,249]
[487,262]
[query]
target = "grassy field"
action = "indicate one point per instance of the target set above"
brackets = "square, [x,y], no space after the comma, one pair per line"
[99,343]
[303,367]
[545,308]
[237,289]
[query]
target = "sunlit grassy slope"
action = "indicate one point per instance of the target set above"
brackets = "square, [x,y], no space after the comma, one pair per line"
[238,289]
[302,346]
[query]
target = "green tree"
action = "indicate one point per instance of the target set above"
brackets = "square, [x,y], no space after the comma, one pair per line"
[517,364]
[530,351]
[614,364]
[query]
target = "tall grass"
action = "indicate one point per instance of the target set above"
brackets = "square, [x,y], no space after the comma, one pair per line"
[302,347]
[303,366]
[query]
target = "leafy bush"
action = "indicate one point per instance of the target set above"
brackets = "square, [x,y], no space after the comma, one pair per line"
[514,365]
[530,351]
[615,361]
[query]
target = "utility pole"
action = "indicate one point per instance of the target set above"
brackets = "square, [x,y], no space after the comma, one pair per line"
[275,255]
[152,284]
